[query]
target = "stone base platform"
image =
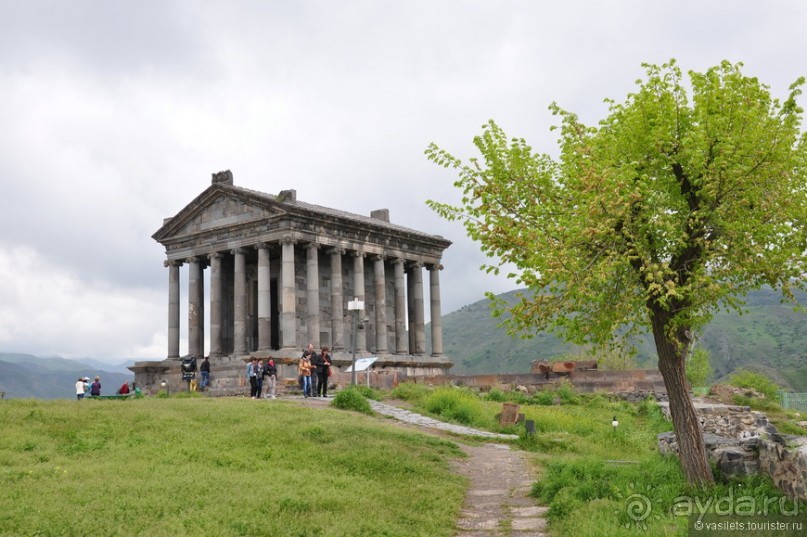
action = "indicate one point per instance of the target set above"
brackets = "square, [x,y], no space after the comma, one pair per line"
[228,373]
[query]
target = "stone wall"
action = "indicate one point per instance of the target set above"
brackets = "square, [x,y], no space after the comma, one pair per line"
[645,381]
[740,441]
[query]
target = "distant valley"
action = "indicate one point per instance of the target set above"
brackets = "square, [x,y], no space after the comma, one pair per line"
[25,375]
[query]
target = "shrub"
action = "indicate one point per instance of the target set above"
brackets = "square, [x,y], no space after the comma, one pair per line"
[352,399]
[755,381]
[455,404]
[496,395]
[368,392]
[567,392]
[544,398]
[410,391]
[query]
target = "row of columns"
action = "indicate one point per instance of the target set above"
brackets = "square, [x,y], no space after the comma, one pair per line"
[288,303]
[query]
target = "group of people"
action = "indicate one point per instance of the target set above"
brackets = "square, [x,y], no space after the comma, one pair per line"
[314,369]
[257,372]
[84,387]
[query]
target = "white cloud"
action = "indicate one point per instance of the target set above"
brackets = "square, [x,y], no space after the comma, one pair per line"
[116,113]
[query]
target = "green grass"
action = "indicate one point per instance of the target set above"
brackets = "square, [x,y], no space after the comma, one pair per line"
[590,473]
[229,466]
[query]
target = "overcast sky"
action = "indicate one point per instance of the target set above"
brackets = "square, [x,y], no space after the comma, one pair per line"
[114,115]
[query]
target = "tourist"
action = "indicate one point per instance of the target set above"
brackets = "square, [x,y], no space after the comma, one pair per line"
[205,369]
[81,387]
[316,367]
[136,390]
[252,375]
[323,371]
[124,389]
[304,368]
[271,375]
[313,357]
[260,372]
[95,389]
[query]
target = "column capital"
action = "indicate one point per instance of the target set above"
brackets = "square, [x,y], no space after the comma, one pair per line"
[356,253]
[193,259]
[416,265]
[378,257]
[261,246]
[288,239]
[172,263]
[399,261]
[235,251]
[434,266]
[336,251]
[215,255]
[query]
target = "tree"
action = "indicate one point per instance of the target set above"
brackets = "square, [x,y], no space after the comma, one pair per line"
[678,203]
[698,369]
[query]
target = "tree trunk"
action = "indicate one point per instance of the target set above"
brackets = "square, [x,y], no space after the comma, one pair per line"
[688,433]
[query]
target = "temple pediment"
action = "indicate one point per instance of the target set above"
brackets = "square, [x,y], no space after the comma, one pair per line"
[220,209]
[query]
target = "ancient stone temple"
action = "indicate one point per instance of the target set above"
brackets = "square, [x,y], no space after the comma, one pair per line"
[281,273]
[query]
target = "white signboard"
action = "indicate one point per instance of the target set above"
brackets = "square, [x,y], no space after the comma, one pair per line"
[362,364]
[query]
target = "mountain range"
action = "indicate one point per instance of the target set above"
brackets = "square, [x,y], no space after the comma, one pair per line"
[25,375]
[768,336]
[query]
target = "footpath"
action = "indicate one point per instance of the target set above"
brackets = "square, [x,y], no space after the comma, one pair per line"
[498,502]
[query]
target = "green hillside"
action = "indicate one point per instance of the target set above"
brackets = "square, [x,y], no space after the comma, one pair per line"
[24,375]
[769,335]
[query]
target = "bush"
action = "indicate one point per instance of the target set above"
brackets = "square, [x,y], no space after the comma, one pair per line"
[455,404]
[755,381]
[410,391]
[352,399]
[567,392]
[544,398]
[496,395]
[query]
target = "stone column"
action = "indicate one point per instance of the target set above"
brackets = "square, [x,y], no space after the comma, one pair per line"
[173,308]
[337,301]
[358,292]
[288,315]
[436,315]
[420,325]
[410,306]
[240,303]
[400,308]
[201,313]
[194,305]
[380,305]
[264,299]
[312,286]
[215,305]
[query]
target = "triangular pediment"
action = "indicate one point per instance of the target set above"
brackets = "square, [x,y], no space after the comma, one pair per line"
[216,209]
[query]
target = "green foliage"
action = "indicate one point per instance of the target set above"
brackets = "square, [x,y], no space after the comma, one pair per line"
[180,467]
[543,397]
[756,381]
[496,395]
[671,182]
[410,391]
[457,405]
[698,369]
[677,203]
[352,398]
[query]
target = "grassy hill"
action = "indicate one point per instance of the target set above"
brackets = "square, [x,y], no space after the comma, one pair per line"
[768,335]
[218,466]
